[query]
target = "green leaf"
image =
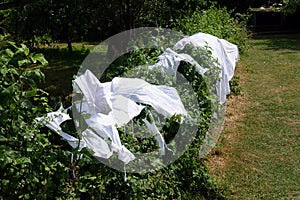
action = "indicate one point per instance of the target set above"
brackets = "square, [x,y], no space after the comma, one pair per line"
[12,44]
[6,94]
[6,56]
[23,50]
[47,169]
[82,189]
[22,160]
[9,53]
[23,62]
[30,93]
[13,71]
[5,182]
[39,58]
[3,139]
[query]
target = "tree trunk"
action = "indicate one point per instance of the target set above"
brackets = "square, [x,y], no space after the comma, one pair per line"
[70,48]
[68,38]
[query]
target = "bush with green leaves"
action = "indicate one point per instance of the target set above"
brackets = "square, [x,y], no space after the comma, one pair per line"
[35,163]
[218,22]
[31,167]
[187,175]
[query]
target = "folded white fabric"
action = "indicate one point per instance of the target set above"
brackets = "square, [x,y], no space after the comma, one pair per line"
[165,100]
[169,61]
[159,138]
[225,52]
[96,95]
[53,120]
[121,96]
[106,106]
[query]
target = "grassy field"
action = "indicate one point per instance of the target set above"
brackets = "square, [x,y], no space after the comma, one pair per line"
[258,156]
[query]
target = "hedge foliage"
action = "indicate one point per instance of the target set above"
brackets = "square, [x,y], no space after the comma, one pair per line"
[218,22]
[31,166]
[36,164]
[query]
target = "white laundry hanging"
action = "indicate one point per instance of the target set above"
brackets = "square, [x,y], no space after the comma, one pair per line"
[163,99]
[106,106]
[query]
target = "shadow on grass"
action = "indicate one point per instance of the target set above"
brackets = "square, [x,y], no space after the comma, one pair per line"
[279,42]
[60,71]
[61,58]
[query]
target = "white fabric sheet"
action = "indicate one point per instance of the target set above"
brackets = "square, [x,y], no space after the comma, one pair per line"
[225,52]
[165,100]
[170,60]
[106,106]
[53,120]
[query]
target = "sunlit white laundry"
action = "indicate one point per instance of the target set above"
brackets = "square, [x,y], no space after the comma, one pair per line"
[106,106]
[53,120]
[169,61]
[225,52]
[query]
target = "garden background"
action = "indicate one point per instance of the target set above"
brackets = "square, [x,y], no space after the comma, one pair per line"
[42,46]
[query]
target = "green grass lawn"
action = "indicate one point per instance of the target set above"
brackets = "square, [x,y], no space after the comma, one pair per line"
[260,146]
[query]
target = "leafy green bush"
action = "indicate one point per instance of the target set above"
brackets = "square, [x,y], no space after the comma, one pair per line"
[235,88]
[217,22]
[187,175]
[30,166]
[35,163]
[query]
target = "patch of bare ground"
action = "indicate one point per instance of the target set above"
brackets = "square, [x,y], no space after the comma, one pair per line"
[236,106]
[220,154]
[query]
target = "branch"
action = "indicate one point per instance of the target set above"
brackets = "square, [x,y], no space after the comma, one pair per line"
[14,4]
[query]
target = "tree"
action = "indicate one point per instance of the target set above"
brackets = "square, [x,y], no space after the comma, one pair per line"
[291,5]
[61,19]
[15,3]
[69,20]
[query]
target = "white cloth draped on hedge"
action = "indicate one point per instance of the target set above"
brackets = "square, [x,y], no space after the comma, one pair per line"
[106,106]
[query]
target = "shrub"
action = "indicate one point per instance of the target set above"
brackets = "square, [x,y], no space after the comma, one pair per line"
[31,168]
[187,176]
[35,164]
[218,22]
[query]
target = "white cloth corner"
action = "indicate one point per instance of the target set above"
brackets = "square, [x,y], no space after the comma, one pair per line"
[158,137]
[53,120]
[169,62]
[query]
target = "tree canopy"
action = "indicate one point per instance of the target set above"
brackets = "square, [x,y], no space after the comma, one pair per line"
[75,20]
[70,20]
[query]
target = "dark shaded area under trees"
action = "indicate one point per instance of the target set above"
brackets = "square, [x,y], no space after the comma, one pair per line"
[67,21]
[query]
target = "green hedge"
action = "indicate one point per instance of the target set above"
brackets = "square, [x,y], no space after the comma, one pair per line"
[218,22]
[35,163]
